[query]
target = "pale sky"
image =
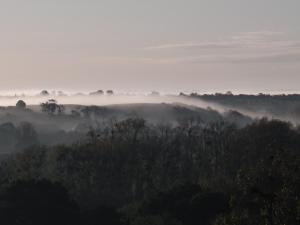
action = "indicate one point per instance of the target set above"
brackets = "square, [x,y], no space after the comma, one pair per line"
[165,45]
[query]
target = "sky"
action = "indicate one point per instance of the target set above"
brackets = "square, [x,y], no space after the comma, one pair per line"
[141,45]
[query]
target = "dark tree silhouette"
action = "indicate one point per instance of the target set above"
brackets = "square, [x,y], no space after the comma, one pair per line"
[102,215]
[99,92]
[37,202]
[109,92]
[44,93]
[21,104]
[51,107]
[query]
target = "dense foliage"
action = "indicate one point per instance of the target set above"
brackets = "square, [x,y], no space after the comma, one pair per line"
[133,172]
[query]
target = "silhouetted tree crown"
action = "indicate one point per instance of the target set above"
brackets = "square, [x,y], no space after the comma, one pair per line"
[51,107]
[99,92]
[109,92]
[44,93]
[21,104]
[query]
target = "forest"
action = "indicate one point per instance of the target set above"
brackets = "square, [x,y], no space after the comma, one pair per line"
[148,164]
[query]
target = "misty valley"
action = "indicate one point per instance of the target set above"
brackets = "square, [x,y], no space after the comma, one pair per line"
[120,159]
[138,112]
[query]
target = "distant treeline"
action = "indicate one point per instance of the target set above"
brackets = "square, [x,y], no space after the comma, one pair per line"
[137,173]
[282,106]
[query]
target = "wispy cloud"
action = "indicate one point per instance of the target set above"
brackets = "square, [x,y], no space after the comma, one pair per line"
[193,45]
[264,46]
[249,47]
[248,39]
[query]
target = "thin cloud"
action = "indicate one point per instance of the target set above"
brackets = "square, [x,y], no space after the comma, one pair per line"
[267,58]
[189,45]
[240,40]
[263,46]
[249,47]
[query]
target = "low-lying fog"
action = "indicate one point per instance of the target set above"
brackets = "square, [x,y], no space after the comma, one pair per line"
[83,112]
[101,100]
[117,99]
[105,100]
